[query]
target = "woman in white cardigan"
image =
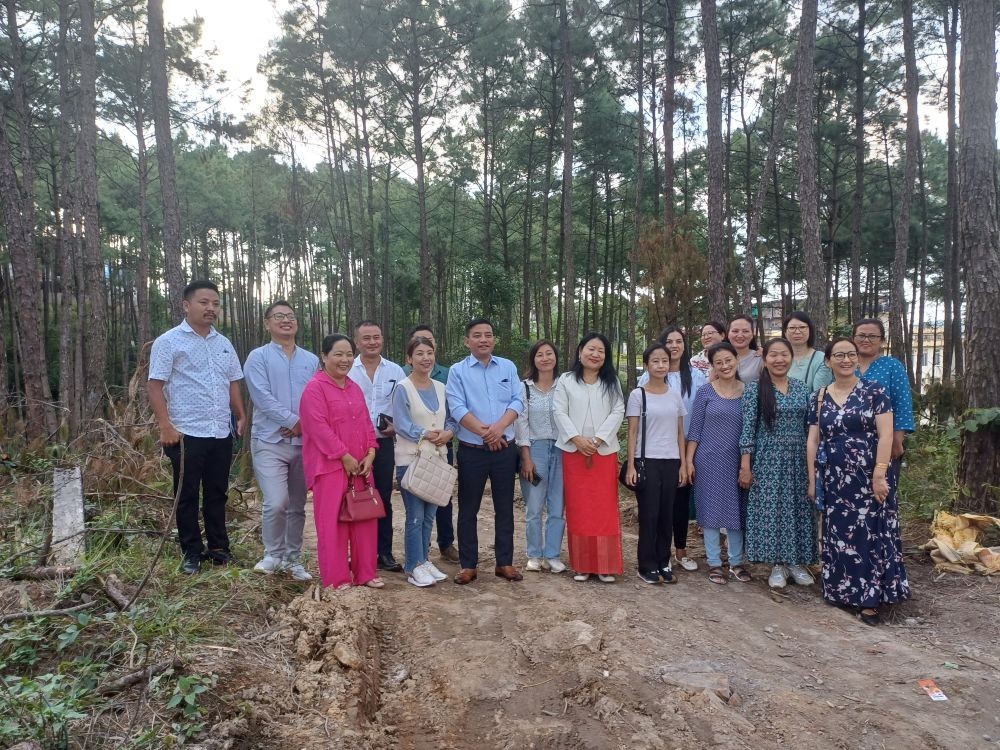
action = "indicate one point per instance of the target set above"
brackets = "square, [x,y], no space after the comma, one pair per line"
[589,408]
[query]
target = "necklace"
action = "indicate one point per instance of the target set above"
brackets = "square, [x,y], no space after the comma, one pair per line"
[730,393]
[838,396]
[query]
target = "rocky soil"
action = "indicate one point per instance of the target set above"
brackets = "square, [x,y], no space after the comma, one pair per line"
[551,663]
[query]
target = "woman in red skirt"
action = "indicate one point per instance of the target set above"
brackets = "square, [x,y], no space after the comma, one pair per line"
[589,408]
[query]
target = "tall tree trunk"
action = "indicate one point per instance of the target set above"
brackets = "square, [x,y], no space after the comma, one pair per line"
[69,317]
[805,64]
[669,107]
[857,206]
[417,123]
[95,315]
[979,462]
[159,89]
[17,201]
[899,345]
[952,248]
[567,179]
[633,266]
[716,178]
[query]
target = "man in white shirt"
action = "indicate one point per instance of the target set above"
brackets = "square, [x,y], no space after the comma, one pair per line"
[276,375]
[378,377]
[194,390]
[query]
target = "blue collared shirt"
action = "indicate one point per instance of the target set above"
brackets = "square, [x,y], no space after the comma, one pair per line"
[378,392]
[276,382]
[891,373]
[196,371]
[487,391]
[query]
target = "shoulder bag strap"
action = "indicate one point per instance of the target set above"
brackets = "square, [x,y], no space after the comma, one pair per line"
[819,410]
[642,453]
[809,367]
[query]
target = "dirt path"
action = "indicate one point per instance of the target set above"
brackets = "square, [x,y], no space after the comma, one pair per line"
[552,663]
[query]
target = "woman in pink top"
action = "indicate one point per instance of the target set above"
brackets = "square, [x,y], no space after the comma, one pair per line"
[338,441]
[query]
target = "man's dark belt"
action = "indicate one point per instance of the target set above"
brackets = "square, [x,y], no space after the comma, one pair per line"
[480,446]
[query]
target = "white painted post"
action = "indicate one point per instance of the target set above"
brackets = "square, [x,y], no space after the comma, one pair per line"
[67,516]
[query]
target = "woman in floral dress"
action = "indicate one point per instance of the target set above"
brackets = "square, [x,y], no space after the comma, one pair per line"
[862,557]
[780,525]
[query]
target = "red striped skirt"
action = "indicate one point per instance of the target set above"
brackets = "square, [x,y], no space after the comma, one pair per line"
[593,526]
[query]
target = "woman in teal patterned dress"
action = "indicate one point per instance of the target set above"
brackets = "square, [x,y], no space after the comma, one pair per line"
[780,525]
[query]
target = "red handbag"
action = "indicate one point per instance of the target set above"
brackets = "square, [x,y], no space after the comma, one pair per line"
[361,504]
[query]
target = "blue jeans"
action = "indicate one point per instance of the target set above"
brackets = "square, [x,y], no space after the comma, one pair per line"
[419,522]
[548,496]
[713,547]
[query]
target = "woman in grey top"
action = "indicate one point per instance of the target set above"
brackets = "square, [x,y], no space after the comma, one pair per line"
[740,334]
[541,462]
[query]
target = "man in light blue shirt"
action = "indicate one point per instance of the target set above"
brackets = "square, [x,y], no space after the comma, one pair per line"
[276,375]
[485,397]
[378,378]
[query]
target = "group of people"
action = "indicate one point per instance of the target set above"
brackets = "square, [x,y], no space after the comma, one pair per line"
[751,440]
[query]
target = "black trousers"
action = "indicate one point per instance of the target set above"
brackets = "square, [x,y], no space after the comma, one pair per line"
[206,473]
[475,466]
[682,516]
[656,512]
[382,470]
[445,522]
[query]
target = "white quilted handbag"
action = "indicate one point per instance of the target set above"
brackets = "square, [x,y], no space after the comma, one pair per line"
[430,477]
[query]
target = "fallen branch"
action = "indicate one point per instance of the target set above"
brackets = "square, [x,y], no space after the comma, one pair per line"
[115,590]
[45,572]
[141,676]
[167,527]
[35,613]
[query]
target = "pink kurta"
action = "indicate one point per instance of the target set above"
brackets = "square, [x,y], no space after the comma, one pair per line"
[335,422]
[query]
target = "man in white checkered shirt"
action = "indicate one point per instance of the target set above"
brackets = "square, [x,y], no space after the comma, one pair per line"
[194,390]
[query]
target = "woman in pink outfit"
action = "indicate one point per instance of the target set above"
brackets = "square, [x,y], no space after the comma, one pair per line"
[338,441]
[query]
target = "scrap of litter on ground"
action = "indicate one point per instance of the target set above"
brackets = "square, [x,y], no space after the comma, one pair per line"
[956,548]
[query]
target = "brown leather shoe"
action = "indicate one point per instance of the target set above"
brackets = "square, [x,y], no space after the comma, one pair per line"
[465,575]
[450,554]
[509,572]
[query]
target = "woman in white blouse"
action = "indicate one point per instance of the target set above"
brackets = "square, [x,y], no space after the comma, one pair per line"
[541,461]
[589,408]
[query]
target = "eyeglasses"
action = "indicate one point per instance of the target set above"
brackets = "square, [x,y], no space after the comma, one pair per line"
[867,336]
[841,356]
[797,329]
[290,317]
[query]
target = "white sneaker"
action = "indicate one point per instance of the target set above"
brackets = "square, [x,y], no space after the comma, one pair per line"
[581,577]
[605,579]
[298,571]
[534,564]
[421,577]
[431,568]
[688,564]
[778,577]
[800,575]
[269,565]
[556,565]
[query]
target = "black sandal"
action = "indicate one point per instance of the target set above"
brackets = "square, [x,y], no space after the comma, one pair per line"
[717,575]
[869,619]
[741,574]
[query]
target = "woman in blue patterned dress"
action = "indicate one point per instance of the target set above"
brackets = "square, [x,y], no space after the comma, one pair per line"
[780,525]
[862,558]
[713,455]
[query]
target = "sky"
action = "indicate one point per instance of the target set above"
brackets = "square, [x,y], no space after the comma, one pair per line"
[239,31]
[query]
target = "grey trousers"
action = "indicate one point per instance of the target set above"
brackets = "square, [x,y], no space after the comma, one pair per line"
[278,467]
